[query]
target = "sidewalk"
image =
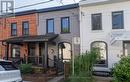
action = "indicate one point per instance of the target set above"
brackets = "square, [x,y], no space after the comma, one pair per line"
[56,79]
[103,79]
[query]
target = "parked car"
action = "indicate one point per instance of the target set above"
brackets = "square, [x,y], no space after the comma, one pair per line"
[8,72]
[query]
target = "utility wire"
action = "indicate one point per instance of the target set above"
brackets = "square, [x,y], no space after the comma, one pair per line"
[29,5]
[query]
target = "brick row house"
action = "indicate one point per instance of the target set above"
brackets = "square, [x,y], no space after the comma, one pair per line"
[41,36]
[23,24]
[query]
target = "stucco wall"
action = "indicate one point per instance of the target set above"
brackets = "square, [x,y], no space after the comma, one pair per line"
[88,36]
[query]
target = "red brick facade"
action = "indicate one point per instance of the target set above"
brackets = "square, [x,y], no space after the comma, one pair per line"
[5,31]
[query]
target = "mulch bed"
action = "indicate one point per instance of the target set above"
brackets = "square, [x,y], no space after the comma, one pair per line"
[36,77]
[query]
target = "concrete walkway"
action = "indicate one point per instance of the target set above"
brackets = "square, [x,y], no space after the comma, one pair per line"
[56,79]
[103,79]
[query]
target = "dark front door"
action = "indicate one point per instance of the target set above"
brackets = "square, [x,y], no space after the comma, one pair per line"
[31,53]
[41,53]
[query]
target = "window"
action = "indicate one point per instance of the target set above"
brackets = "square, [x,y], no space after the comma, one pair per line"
[117,20]
[65,25]
[25,28]
[97,21]
[13,29]
[50,25]
[102,48]
[64,51]
[15,51]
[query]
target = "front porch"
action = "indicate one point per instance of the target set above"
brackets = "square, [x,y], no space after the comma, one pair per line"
[30,49]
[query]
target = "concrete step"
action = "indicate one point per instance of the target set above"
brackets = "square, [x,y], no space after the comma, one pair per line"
[102,73]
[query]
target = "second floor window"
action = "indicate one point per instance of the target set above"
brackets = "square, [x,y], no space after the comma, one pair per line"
[50,25]
[97,21]
[117,20]
[25,26]
[65,25]
[13,29]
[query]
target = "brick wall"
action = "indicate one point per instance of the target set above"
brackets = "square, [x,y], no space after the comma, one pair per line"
[5,30]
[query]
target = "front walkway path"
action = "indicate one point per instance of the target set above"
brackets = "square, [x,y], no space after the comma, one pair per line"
[56,79]
[103,79]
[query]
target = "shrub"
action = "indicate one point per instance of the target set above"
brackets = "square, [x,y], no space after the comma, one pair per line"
[121,71]
[85,62]
[83,67]
[26,68]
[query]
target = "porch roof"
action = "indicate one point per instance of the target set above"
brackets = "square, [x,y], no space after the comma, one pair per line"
[36,38]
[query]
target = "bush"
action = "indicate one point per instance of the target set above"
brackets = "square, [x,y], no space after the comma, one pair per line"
[85,62]
[26,68]
[83,67]
[121,71]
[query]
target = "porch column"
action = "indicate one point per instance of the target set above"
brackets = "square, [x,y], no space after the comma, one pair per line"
[7,52]
[46,55]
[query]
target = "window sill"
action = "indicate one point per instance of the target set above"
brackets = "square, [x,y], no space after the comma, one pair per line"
[95,31]
[13,35]
[117,29]
[65,32]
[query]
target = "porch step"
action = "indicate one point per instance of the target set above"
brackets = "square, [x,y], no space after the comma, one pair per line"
[61,73]
[51,72]
[102,73]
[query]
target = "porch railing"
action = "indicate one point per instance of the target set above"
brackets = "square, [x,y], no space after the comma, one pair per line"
[34,60]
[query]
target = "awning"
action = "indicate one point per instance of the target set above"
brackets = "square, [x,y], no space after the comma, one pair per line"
[36,38]
[120,36]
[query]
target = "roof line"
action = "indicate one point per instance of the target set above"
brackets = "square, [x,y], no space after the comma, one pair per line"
[43,10]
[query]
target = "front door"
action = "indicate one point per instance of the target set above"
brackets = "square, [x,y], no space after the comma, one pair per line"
[31,53]
[127,48]
[64,54]
[15,51]
[41,53]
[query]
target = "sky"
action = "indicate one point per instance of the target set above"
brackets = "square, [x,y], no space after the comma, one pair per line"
[19,3]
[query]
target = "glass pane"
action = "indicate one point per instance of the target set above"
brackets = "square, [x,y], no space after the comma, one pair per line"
[15,51]
[13,29]
[50,24]
[26,31]
[65,24]
[96,22]
[14,32]
[127,49]
[117,20]
[25,28]
[13,26]
[25,25]
[65,51]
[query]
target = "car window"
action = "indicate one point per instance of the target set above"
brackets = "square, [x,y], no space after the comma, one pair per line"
[1,68]
[8,66]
